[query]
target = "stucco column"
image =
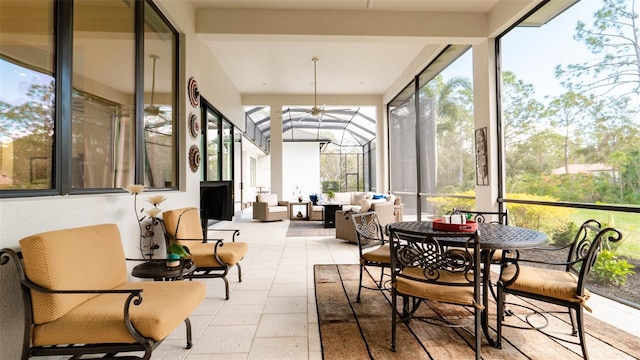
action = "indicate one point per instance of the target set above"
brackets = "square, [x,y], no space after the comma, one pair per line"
[486,116]
[277,171]
[382,149]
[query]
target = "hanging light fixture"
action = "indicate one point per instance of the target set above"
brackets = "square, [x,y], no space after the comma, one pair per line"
[152,109]
[315,111]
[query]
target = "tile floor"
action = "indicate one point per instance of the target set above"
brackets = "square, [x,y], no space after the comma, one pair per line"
[271,314]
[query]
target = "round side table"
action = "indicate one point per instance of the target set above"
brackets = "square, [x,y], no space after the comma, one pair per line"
[158,270]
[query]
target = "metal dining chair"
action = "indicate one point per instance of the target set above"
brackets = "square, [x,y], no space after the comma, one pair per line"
[372,246]
[436,267]
[563,285]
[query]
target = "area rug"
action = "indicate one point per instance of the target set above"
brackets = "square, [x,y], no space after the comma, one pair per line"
[350,330]
[308,228]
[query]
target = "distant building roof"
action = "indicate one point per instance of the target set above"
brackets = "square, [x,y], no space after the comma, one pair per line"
[582,169]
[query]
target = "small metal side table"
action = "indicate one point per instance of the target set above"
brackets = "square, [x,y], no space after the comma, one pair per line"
[158,270]
[330,214]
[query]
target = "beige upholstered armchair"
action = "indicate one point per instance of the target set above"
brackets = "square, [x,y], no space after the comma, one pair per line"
[268,208]
[387,212]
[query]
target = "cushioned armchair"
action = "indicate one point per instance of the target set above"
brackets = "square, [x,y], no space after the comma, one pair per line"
[268,208]
[386,212]
[78,300]
[213,258]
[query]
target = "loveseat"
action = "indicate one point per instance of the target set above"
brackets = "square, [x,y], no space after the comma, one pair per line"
[78,300]
[387,207]
[267,207]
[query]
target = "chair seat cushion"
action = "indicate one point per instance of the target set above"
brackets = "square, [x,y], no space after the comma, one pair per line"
[100,320]
[276,209]
[553,283]
[380,255]
[230,253]
[462,295]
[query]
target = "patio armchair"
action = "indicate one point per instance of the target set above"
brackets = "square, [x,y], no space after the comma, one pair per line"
[563,285]
[78,301]
[213,257]
[267,207]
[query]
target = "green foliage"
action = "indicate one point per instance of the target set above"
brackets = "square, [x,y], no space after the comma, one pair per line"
[330,185]
[180,250]
[441,205]
[542,218]
[565,234]
[609,269]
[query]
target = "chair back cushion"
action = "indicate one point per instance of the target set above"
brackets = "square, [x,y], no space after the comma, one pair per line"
[82,258]
[270,199]
[183,223]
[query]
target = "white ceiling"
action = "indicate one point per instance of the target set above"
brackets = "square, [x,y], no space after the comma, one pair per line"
[376,61]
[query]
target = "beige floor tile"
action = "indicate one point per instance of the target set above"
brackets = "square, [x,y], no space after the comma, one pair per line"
[232,314]
[282,325]
[286,305]
[225,340]
[285,348]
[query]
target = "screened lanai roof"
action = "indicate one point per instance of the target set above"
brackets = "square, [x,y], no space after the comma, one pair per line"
[340,125]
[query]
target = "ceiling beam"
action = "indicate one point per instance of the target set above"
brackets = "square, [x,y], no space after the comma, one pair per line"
[265,22]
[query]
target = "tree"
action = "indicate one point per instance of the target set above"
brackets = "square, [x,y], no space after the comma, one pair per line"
[521,112]
[615,38]
[569,113]
[453,112]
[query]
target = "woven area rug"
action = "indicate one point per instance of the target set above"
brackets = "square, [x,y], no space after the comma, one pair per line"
[350,330]
[308,228]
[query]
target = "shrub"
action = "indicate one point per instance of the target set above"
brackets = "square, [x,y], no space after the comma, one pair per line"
[609,269]
[566,235]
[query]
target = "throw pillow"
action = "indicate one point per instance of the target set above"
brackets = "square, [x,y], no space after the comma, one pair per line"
[378,196]
[314,199]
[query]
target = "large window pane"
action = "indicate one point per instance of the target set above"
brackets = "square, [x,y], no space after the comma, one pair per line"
[571,118]
[227,150]
[104,94]
[213,146]
[159,94]
[27,94]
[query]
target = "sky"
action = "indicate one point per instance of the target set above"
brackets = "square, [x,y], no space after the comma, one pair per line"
[532,53]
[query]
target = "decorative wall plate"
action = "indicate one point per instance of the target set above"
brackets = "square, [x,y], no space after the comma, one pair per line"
[194,125]
[194,158]
[194,94]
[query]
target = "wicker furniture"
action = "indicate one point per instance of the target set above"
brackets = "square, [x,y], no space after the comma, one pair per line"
[267,207]
[563,286]
[213,258]
[345,229]
[78,300]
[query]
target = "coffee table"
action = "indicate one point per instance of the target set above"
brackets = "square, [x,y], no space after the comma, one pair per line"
[330,214]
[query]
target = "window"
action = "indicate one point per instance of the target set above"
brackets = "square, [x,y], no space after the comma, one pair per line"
[84,99]
[431,143]
[27,95]
[570,116]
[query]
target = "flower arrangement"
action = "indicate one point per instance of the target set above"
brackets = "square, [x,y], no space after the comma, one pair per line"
[147,223]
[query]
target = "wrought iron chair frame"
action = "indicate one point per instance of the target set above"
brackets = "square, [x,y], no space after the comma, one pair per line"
[204,272]
[145,344]
[435,254]
[370,234]
[582,254]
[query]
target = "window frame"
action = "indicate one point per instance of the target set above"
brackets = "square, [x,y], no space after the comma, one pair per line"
[61,172]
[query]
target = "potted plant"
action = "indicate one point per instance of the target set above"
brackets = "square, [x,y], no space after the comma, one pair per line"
[175,252]
[331,195]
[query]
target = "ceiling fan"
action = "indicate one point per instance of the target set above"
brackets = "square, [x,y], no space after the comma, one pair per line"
[151,109]
[315,111]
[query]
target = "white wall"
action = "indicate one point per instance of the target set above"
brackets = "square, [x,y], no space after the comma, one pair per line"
[21,217]
[301,161]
